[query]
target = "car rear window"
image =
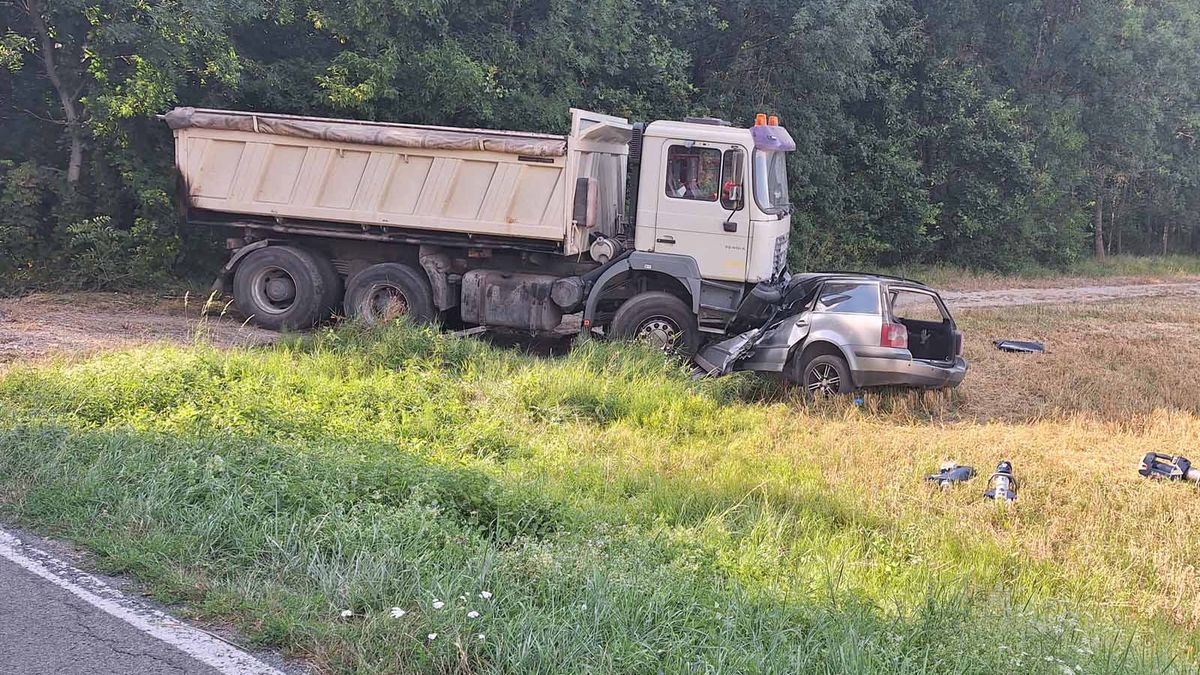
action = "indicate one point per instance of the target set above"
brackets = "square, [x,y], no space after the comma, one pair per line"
[848,297]
[916,307]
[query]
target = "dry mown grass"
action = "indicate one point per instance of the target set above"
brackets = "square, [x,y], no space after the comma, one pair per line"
[1115,270]
[1119,380]
[1116,362]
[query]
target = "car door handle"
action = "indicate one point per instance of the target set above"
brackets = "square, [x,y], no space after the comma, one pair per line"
[665,240]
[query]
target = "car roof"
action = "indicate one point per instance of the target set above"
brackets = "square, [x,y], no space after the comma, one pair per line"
[815,277]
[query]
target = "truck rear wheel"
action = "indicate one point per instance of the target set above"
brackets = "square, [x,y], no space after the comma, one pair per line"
[659,319]
[388,291]
[286,288]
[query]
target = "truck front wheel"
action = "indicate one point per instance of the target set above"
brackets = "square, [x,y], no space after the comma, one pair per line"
[659,319]
[286,288]
[387,291]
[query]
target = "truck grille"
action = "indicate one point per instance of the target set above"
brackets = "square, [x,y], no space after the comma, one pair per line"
[780,259]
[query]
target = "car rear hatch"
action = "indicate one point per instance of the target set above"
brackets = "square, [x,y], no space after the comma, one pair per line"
[932,335]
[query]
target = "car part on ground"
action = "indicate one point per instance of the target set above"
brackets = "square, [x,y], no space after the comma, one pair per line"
[1168,467]
[1019,346]
[950,473]
[286,288]
[1002,486]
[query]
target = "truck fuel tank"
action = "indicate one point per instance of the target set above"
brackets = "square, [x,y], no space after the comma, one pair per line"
[511,299]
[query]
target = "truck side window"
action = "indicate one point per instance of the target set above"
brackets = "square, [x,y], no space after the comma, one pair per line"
[732,184]
[845,297]
[693,173]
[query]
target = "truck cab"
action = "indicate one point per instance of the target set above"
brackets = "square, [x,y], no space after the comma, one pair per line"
[717,194]
[711,219]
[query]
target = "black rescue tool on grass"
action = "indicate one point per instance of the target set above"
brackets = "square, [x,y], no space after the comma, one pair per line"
[1002,486]
[1168,467]
[1019,346]
[950,473]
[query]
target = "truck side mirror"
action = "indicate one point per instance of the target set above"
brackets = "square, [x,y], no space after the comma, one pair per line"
[732,171]
[584,207]
[731,196]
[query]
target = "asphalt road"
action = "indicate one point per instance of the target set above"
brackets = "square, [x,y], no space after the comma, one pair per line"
[45,630]
[57,620]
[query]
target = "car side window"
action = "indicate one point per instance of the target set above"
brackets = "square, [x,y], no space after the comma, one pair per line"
[916,306]
[848,297]
[693,173]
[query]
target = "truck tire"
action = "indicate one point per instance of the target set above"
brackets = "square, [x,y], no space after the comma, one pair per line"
[286,288]
[387,291]
[659,318]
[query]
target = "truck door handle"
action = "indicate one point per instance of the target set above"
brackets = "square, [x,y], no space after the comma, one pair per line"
[666,240]
[730,226]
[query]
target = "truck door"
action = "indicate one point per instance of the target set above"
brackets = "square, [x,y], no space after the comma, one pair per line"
[701,209]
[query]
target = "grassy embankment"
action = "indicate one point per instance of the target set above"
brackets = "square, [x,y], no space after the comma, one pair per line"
[625,519]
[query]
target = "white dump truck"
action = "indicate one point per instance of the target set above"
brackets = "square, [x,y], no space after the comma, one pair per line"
[657,231]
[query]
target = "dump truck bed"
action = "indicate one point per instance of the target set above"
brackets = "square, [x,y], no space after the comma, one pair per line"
[499,183]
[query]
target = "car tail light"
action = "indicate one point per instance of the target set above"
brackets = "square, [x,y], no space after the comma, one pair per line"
[894,335]
[958,343]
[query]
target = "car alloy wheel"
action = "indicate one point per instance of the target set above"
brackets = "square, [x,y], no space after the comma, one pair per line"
[822,379]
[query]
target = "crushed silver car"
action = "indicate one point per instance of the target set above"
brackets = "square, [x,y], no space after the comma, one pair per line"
[836,332]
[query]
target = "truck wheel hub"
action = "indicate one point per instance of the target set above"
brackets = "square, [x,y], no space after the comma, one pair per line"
[660,332]
[387,303]
[274,290]
[281,289]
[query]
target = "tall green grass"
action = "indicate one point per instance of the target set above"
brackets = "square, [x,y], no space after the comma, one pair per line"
[623,518]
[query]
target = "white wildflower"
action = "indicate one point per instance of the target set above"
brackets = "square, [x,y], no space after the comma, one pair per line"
[397,612]
[480,636]
[583,606]
[486,595]
[432,636]
[472,614]
[347,613]
[438,604]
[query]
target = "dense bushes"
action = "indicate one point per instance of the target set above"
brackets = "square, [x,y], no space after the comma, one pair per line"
[928,130]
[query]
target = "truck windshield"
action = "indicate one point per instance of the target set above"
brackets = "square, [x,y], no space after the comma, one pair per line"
[770,181]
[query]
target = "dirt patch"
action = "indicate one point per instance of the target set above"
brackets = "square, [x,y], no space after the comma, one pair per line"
[1009,297]
[42,324]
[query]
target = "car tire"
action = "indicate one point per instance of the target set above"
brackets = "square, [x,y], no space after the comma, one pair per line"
[388,291]
[824,375]
[286,288]
[660,319]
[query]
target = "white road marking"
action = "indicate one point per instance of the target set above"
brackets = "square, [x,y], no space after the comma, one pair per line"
[201,646]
